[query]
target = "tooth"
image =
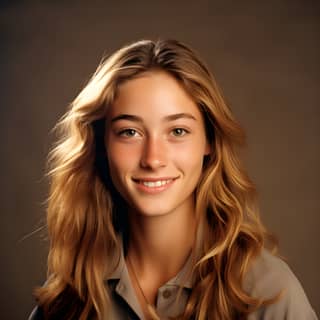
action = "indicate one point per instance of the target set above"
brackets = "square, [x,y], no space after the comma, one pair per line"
[152,184]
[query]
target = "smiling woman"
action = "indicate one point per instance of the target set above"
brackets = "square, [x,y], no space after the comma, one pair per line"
[155,142]
[151,215]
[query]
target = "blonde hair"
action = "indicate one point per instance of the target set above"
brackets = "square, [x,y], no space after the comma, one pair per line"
[82,212]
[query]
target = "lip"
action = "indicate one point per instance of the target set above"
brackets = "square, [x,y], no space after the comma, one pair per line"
[167,182]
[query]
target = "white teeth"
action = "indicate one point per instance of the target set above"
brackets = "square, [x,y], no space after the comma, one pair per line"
[154,184]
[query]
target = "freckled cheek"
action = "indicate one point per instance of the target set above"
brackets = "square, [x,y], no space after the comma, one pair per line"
[120,163]
[189,156]
[121,157]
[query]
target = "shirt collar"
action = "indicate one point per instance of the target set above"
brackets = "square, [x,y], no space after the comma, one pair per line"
[182,279]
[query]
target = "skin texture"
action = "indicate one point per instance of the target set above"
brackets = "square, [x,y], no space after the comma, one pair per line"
[154,147]
[155,131]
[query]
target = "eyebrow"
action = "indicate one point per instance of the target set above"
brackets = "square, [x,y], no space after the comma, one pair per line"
[170,117]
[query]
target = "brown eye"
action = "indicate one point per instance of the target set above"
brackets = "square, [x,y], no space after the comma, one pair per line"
[179,132]
[128,133]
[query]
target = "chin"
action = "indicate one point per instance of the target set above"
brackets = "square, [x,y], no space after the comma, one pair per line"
[154,209]
[151,212]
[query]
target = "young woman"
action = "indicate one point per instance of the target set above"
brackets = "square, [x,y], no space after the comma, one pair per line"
[151,215]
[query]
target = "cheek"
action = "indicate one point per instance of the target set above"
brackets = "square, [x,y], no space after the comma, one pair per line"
[190,158]
[192,151]
[121,159]
[116,151]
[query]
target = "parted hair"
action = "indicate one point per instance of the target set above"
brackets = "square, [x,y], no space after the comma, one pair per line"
[85,218]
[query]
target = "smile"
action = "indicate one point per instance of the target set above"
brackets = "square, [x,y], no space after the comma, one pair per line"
[154,185]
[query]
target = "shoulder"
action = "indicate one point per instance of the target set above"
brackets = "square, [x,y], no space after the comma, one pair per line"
[267,277]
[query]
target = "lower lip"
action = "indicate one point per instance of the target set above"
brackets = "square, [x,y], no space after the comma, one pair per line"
[154,190]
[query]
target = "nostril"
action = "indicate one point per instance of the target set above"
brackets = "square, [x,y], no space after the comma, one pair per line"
[152,163]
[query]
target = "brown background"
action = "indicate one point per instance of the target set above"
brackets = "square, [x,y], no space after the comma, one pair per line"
[265,55]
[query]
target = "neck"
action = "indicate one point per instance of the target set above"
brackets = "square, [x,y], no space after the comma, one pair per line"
[160,245]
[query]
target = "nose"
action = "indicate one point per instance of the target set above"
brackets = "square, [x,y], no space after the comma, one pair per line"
[154,154]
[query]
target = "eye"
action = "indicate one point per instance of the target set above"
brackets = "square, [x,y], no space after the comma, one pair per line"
[128,133]
[179,132]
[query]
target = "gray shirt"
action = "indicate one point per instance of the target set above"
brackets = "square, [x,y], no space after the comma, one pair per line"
[267,277]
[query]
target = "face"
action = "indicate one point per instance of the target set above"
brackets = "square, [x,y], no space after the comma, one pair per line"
[155,142]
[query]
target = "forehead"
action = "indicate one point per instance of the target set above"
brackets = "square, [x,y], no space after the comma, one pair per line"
[155,93]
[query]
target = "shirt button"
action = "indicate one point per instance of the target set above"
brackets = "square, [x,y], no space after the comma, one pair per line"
[166,294]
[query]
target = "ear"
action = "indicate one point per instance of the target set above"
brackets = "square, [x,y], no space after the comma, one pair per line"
[208,149]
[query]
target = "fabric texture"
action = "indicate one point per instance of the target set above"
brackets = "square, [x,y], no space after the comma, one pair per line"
[267,276]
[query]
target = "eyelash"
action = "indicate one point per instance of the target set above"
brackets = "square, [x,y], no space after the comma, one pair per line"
[125,132]
[130,132]
[184,132]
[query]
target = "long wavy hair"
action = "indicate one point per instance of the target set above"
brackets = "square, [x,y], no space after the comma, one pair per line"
[83,214]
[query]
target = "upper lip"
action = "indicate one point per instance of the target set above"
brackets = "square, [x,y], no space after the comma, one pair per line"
[153,179]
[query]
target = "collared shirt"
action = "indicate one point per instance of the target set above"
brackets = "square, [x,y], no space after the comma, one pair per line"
[124,296]
[265,279]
